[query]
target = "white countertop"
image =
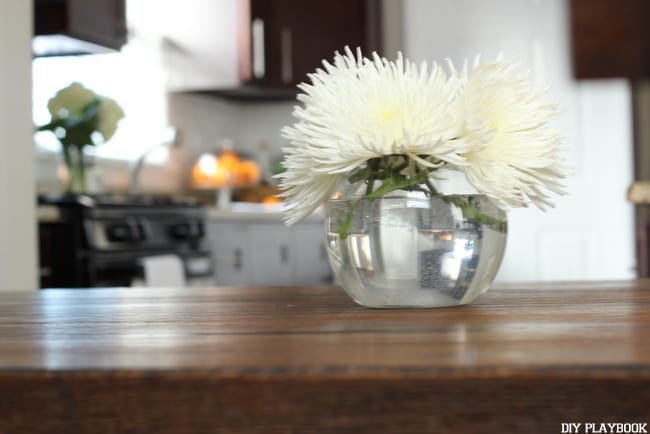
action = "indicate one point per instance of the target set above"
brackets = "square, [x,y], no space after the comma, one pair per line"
[239,211]
[244,211]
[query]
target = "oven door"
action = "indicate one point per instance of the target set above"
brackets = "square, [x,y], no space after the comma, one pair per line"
[120,269]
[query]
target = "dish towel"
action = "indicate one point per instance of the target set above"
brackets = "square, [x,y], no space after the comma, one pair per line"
[163,270]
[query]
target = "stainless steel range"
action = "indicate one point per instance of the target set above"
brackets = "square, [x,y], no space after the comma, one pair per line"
[100,241]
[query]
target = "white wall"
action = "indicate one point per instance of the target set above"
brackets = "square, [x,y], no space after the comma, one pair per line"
[590,233]
[18,269]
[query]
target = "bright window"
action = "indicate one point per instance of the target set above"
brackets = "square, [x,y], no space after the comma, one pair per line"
[131,77]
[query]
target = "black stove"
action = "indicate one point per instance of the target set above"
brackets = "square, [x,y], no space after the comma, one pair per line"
[102,240]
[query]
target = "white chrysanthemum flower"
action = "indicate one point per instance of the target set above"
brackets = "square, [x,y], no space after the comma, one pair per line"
[359,108]
[515,157]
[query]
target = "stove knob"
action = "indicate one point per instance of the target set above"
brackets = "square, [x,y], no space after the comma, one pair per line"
[180,231]
[119,232]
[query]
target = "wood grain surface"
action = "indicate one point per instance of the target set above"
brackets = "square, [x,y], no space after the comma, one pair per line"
[522,358]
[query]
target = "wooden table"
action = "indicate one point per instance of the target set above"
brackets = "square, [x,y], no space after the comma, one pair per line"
[521,359]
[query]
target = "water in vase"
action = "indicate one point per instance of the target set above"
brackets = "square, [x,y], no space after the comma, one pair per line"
[395,252]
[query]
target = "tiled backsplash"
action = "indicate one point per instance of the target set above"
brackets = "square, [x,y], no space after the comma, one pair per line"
[112,176]
[206,121]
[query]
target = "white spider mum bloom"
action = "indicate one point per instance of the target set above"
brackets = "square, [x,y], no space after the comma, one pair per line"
[359,108]
[515,157]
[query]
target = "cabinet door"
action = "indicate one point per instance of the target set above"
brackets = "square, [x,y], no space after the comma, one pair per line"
[271,254]
[610,38]
[101,22]
[200,43]
[231,252]
[298,34]
[311,266]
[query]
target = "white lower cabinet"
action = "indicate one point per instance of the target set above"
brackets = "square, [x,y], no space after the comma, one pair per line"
[271,254]
[310,257]
[231,253]
[267,253]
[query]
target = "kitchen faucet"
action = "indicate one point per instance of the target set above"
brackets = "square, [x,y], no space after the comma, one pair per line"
[134,178]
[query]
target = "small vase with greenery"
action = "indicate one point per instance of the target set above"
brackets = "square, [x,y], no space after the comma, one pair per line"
[80,118]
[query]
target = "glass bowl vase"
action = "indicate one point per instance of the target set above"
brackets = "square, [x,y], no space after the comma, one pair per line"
[412,248]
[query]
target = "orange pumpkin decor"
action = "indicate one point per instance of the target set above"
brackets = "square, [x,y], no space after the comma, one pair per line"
[226,170]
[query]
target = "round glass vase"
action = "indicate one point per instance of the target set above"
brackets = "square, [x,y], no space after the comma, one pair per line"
[411,248]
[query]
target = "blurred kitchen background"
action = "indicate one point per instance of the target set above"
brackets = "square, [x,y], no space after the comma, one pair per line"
[199,77]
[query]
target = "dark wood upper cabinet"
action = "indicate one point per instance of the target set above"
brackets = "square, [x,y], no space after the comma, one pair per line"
[257,50]
[99,22]
[610,38]
[289,38]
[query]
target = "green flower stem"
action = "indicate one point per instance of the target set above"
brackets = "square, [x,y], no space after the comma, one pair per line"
[344,227]
[472,213]
[391,184]
[390,171]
